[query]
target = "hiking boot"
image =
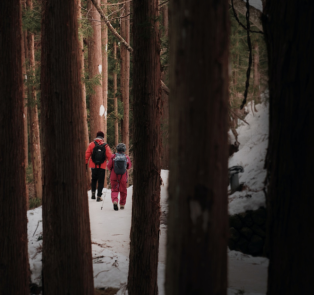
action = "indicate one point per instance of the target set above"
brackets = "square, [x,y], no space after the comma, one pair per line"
[115,206]
[99,199]
[121,207]
[93,196]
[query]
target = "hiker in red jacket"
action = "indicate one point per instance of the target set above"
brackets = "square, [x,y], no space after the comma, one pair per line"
[118,164]
[98,153]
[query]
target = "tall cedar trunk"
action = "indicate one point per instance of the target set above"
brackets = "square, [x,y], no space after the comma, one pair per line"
[289,29]
[33,115]
[256,82]
[115,89]
[144,234]
[66,226]
[95,68]
[104,48]
[24,96]
[14,274]
[125,75]
[86,137]
[198,221]
[165,19]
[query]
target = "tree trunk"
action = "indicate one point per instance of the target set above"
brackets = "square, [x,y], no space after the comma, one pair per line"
[104,47]
[115,89]
[24,97]
[165,19]
[86,136]
[66,226]
[198,216]
[125,75]
[144,234]
[256,82]
[165,131]
[14,273]
[33,115]
[95,68]
[289,29]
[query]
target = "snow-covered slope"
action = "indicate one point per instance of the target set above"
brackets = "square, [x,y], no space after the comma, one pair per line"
[253,140]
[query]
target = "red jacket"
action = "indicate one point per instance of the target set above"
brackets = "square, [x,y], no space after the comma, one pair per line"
[89,151]
[113,175]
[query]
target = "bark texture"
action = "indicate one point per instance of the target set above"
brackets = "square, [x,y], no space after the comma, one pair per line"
[95,68]
[14,274]
[125,75]
[33,115]
[198,221]
[67,259]
[115,89]
[289,29]
[104,48]
[82,65]
[144,234]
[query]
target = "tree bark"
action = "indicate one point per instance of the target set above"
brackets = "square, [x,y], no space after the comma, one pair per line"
[198,216]
[14,273]
[104,47]
[165,19]
[289,29]
[66,226]
[33,115]
[144,236]
[256,82]
[86,136]
[125,75]
[24,97]
[115,89]
[95,68]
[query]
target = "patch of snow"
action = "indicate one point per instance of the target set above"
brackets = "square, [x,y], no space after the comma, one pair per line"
[253,140]
[256,3]
[101,110]
[100,69]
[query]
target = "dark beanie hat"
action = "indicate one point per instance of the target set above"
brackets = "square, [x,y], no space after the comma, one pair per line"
[101,134]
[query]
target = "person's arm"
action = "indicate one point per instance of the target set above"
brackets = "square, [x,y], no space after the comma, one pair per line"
[110,164]
[88,152]
[129,163]
[108,152]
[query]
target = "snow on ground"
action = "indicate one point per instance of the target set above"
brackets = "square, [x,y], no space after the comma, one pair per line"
[257,4]
[253,140]
[111,229]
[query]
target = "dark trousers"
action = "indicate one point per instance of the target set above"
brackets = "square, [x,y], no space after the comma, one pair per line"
[98,174]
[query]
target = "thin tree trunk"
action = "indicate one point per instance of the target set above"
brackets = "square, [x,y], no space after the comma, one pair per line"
[33,115]
[125,75]
[144,236]
[198,216]
[256,82]
[14,273]
[24,97]
[289,30]
[104,47]
[86,136]
[66,226]
[115,89]
[165,19]
[95,68]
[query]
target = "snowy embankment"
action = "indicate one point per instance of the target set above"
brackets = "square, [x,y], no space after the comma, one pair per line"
[111,229]
[253,140]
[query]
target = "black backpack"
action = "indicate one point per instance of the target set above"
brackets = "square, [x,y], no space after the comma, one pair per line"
[120,163]
[99,153]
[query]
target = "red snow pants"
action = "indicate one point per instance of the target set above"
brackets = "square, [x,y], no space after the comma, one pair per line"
[116,187]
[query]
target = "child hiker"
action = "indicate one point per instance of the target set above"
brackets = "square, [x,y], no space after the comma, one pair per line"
[118,165]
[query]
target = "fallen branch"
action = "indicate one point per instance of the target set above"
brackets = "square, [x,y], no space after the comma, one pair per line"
[164,87]
[239,117]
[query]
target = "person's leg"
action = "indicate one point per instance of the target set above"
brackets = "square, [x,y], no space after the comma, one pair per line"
[114,191]
[94,182]
[101,180]
[123,193]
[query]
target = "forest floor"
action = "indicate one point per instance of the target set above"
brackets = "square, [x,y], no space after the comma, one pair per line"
[111,229]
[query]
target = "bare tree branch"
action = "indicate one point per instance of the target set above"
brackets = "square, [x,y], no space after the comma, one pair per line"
[255,14]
